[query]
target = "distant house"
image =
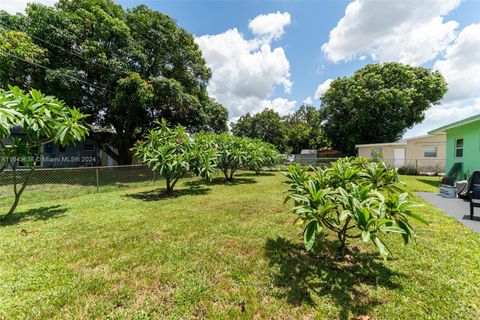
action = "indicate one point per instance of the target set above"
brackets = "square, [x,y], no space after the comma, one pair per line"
[463,143]
[82,154]
[424,153]
[315,156]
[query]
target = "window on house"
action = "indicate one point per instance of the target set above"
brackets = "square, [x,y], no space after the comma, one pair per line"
[459,148]
[430,152]
[376,153]
[88,147]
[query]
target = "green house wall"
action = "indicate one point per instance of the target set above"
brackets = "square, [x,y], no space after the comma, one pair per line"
[471,147]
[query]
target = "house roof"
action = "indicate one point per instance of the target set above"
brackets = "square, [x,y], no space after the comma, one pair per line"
[465,121]
[402,142]
[397,143]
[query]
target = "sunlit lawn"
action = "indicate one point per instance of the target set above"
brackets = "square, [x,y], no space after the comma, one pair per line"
[422,183]
[222,251]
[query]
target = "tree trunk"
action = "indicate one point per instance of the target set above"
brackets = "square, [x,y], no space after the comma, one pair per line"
[169,185]
[342,236]
[225,173]
[232,172]
[18,193]
[123,155]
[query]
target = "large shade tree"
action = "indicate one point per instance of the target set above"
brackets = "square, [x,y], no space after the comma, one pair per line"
[127,68]
[304,129]
[266,125]
[379,103]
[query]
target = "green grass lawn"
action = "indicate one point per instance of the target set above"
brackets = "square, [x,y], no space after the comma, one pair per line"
[422,183]
[224,252]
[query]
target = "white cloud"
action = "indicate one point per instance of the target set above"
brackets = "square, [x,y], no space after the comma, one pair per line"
[461,66]
[246,72]
[308,100]
[440,115]
[447,113]
[322,88]
[270,26]
[14,6]
[404,31]
[281,105]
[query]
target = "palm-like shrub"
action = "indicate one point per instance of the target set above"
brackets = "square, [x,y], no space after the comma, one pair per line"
[261,154]
[354,199]
[40,119]
[174,154]
[232,153]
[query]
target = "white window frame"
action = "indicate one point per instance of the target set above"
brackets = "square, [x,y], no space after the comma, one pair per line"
[457,148]
[429,153]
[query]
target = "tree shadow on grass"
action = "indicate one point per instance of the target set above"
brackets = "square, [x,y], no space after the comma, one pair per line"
[345,281]
[433,183]
[253,174]
[42,213]
[220,181]
[160,193]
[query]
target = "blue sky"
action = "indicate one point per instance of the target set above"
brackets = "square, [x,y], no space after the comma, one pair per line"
[278,54]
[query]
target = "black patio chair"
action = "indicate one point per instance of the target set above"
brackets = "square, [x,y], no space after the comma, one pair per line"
[474,179]
[452,175]
[474,198]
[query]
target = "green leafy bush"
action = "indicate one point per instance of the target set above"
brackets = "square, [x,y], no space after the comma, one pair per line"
[408,170]
[174,154]
[39,119]
[232,153]
[354,199]
[261,154]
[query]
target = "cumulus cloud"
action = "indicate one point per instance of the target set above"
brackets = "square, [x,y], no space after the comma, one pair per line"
[308,100]
[404,31]
[246,72]
[270,25]
[322,88]
[440,115]
[14,6]
[461,66]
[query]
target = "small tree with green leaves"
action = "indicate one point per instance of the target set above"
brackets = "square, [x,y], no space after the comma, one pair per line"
[39,119]
[261,154]
[354,199]
[231,153]
[174,154]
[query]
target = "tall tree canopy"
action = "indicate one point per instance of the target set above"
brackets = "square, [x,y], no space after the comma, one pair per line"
[378,103]
[266,125]
[126,68]
[305,130]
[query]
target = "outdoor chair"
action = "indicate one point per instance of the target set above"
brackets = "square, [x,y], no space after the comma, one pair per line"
[474,179]
[452,175]
[474,198]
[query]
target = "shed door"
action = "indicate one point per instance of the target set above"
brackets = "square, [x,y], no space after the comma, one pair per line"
[399,157]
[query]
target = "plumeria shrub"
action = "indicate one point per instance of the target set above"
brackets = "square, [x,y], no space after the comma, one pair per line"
[261,154]
[174,154]
[353,199]
[28,120]
[232,153]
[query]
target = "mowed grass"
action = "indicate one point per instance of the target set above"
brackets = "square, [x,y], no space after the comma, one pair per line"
[422,183]
[222,251]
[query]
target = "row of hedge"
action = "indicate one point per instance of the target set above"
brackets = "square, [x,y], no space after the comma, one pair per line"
[174,153]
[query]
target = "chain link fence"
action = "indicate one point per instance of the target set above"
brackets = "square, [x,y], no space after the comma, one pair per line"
[49,184]
[418,166]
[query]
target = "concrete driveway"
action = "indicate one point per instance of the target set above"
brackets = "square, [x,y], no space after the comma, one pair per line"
[454,207]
